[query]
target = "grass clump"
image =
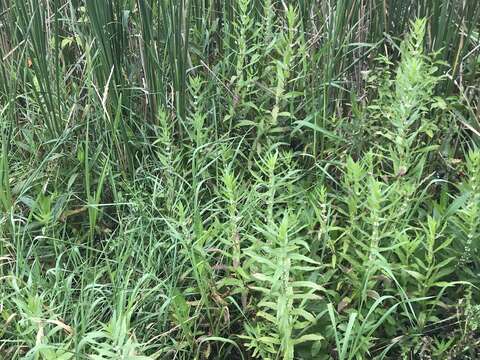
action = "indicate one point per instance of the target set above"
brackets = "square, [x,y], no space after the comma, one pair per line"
[235,180]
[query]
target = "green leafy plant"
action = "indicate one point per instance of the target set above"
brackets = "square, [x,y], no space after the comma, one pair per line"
[239,179]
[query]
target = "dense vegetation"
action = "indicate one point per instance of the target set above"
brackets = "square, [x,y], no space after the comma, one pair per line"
[219,179]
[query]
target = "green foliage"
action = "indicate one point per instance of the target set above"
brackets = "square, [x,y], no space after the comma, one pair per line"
[239,179]
[280,274]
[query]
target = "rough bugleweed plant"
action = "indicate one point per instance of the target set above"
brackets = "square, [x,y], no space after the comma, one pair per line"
[239,179]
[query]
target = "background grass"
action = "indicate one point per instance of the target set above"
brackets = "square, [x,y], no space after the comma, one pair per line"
[193,179]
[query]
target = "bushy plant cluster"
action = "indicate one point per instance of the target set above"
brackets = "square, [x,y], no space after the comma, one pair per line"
[197,179]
